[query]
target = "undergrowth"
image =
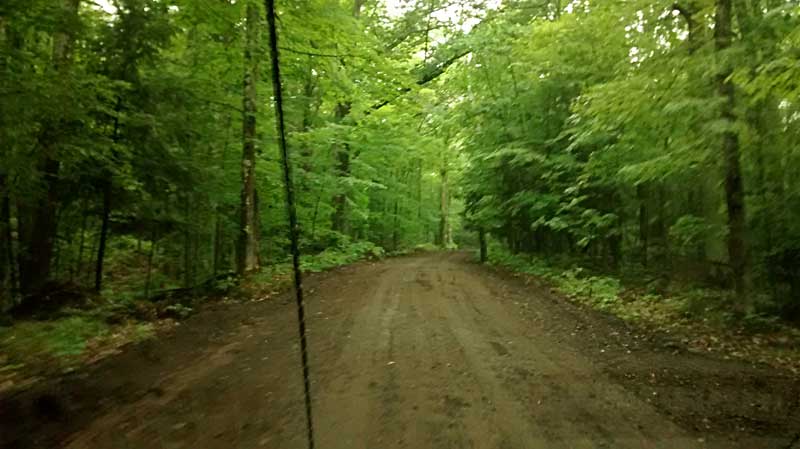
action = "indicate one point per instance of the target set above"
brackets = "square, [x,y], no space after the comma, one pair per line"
[704,316]
[120,315]
[60,344]
[637,297]
[601,291]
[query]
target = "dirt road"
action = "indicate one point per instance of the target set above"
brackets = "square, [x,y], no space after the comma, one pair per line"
[428,351]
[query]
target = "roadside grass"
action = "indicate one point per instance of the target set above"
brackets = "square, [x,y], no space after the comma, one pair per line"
[699,318]
[31,349]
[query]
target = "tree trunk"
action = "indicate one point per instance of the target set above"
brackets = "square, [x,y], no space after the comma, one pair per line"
[107,196]
[76,271]
[188,261]
[151,254]
[101,248]
[219,234]
[660,228]
[37,248]
[395,231]
[340,219]
[38,234]
[444,209]
[55,270]
[644,222]
[734,188]
[482,240]
[217,246]
[247,249]
[423,237]
[696,208]
[7,278]
[316,214]
[688,12]
[357,5]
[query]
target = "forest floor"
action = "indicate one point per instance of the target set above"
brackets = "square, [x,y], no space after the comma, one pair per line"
[423,351]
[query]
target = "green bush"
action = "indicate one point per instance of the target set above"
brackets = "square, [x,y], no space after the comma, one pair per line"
[600,290]
[342,255]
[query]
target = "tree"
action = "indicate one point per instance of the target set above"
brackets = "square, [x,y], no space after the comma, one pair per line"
[38,221]
[598,134]
[247,249]
[734,185]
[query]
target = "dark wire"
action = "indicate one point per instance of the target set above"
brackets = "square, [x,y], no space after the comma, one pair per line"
[294,230]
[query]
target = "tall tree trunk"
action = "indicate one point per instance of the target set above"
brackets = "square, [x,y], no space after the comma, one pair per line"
[219,234]
[108,185]
[444,207]
[660,229]
[316,214]
[357,5]
[188,261]
[644,222]
[38,233]
[734,186]
[81,241]
[340,219]
[6,263]
[247,248]
[150,255]
[762,116]
[55,270]
[217,246]
[419,200]
[482,241]
[104,228]
[696,207]
[688,10]
[395,230]
[37,248]
[310,109]
[6,249]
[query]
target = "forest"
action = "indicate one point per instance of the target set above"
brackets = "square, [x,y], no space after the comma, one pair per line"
[521,223]
[651,140]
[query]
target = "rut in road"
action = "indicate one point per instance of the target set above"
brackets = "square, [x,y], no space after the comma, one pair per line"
[434,351]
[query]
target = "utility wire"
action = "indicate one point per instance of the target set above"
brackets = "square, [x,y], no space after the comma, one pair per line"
[294,230]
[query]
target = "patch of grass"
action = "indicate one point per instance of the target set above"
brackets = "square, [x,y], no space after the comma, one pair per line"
[575,282]
[334,257]
[142,332]
[426,247]
[272,279]
[44,348]
[45,341]
[601,291]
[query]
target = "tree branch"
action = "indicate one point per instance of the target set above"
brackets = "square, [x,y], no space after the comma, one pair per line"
[321,55]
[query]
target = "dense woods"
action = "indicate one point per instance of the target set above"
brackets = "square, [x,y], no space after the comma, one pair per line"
[640,137]
[139,153]
[138,140]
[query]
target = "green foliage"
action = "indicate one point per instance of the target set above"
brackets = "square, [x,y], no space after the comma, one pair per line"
[597,133]
[60,345]
[349,253]
[601,291]
[67,337]
[179,310]
[587,131]
[141,118]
